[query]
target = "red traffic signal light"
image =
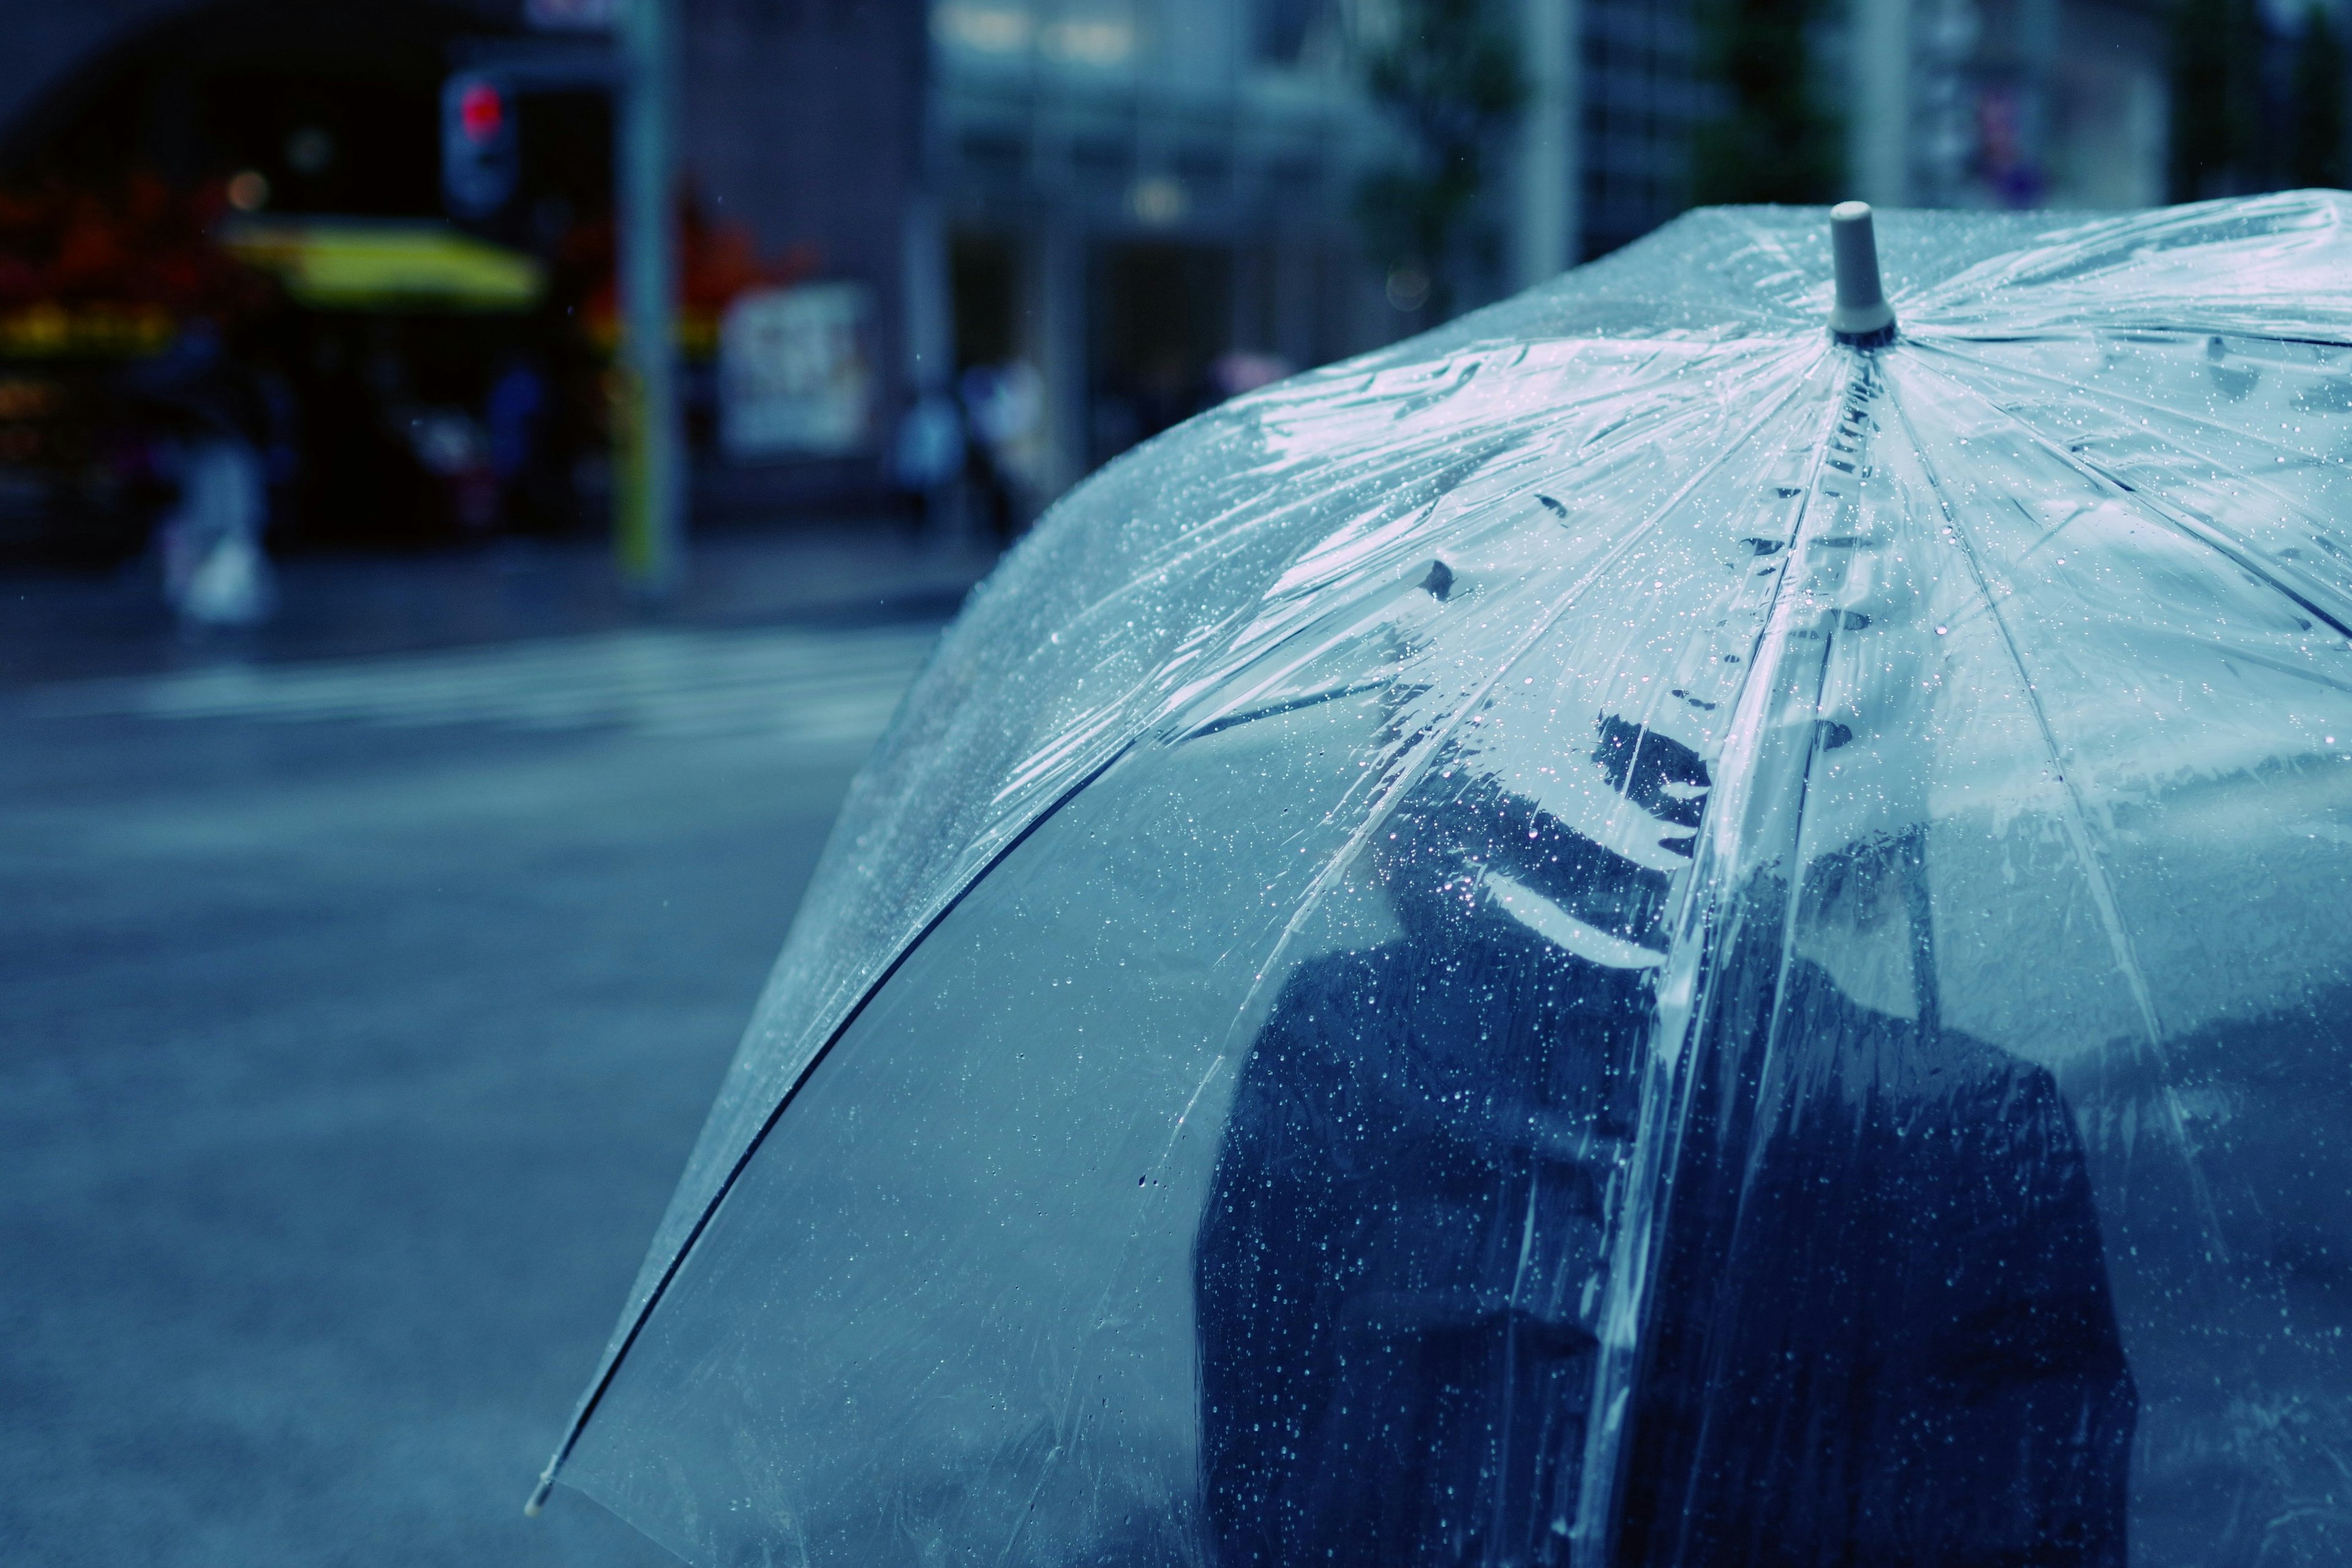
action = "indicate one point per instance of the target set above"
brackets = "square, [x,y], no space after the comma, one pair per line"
[482,111]
[478,159]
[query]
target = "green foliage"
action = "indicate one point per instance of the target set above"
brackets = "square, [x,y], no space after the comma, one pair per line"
[1773,141]
[1450,80]
[2216,100]
[2316,155]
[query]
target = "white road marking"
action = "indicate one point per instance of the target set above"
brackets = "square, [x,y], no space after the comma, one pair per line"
[831,689]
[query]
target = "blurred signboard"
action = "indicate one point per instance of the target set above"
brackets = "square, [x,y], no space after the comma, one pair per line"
[796,371]
[571,15]
[361,264]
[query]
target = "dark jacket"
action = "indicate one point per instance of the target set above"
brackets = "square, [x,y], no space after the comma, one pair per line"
[1395,1269]
[1881,1332]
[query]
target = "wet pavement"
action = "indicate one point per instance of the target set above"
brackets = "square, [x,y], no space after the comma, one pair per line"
[367,978]
[61,624]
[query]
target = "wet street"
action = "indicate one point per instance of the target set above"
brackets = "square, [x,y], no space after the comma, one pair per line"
[360,1007]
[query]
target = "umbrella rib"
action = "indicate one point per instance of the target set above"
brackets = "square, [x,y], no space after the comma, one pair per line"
[2243,556]
[1944,336]
[1945,346]
[1276,710]
[1512,437]
[1196,542]
[2077,827]
[1417,758]
[710,1210]
[2256,481]
[1665,509]
[702,1223]
[2076,819]
[1689,976]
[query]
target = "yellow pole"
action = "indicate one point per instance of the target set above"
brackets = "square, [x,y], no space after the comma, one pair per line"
[648,460]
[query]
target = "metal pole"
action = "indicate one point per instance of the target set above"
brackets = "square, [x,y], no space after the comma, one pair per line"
[649,468]
[1548,231]
[1057,301]
[1879,128]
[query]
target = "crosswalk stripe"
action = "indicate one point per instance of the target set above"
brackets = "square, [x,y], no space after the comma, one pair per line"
[836,689]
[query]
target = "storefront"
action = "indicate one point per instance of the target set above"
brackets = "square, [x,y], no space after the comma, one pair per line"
[254,215]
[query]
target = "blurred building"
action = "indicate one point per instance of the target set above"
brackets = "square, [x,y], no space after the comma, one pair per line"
[1143,204]
[1989,103]
[1602,154]
[433,368]
[1075,222]
[1144,201]
[2009,102]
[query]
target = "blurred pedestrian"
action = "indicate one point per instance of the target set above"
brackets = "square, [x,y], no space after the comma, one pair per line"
[928,457]
[214,571]
[511,417]
[209,544]
[1004,405]
[1237,371]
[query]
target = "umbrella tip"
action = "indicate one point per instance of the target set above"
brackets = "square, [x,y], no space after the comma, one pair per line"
[539,1494]
[1861,315]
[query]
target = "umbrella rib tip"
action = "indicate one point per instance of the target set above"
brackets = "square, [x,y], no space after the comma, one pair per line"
[1860,315]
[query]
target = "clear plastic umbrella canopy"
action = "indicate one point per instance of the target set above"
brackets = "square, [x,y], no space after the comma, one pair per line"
[1627,933]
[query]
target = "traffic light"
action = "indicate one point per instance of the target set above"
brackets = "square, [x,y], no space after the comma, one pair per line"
[478,143]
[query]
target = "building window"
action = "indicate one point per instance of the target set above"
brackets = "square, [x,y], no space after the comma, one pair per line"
[1285,27]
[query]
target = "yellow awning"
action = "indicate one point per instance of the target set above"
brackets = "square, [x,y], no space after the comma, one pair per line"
[343,264]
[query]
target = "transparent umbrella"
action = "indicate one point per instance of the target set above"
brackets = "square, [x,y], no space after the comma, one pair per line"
[1668,926]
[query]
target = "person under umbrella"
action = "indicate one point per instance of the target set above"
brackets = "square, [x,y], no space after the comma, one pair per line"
[1779,1009]
[1399,1267]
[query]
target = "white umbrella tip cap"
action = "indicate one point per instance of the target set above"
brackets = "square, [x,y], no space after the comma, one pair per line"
[1861,312]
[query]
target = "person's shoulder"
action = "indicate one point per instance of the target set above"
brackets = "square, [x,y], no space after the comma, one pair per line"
[1909,1062]
[1978,1096]
[1347,971]
[1341,988]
